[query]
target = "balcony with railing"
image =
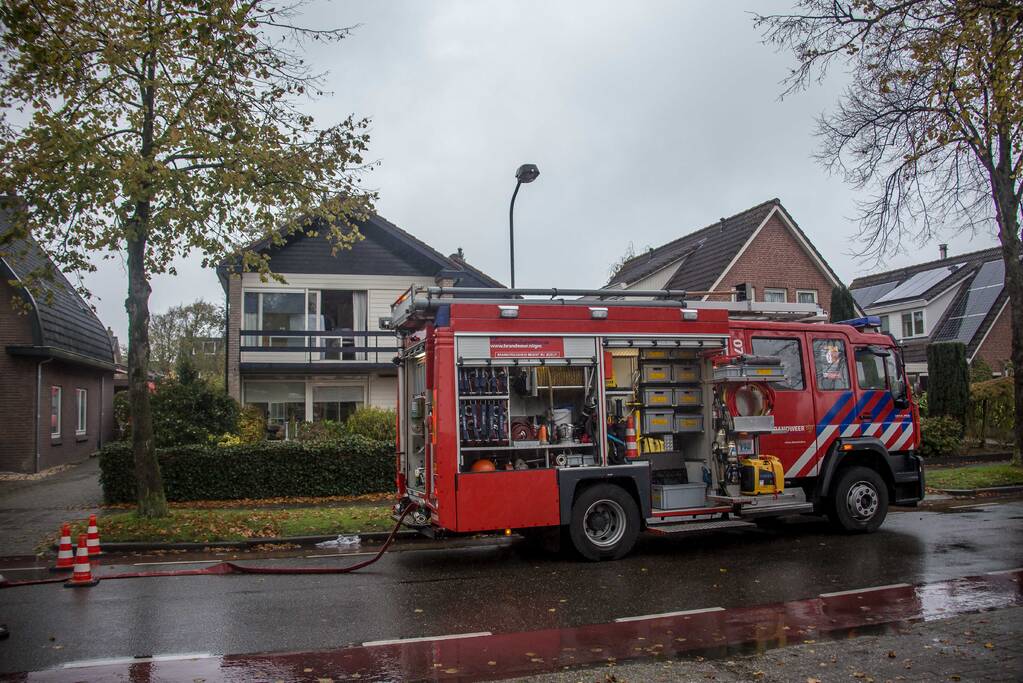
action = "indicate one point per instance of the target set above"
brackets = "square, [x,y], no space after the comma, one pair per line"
[355,349]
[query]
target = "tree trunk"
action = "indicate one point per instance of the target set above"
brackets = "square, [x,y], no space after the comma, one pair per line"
[151,499]
[1007,214]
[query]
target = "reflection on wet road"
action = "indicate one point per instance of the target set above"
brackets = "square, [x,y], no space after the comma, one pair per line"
[509,591]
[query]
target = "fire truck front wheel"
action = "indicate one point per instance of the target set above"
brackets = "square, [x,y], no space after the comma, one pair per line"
[605,522]
[860,500]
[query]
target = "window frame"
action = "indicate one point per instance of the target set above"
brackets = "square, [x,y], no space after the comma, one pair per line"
[814,341]
[912,314]
[885,379]
[81,412]
[776,290]
[58,392]
[885,324]
[811,292]
[777,386]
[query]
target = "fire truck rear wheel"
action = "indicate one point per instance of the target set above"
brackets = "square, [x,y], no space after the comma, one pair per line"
[605,522]
[860,500]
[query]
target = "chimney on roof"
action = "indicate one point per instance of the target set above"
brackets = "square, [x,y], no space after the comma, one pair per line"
[721,225]
[460,255]
[943,251]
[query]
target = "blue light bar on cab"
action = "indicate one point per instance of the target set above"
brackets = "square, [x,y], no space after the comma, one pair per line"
[859,323]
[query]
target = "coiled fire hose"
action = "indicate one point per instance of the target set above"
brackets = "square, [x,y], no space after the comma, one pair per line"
[233,568]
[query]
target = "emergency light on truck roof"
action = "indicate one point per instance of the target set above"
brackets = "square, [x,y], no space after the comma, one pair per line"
[860,323]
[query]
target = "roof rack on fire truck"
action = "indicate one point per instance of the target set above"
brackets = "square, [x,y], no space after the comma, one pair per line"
[419,300]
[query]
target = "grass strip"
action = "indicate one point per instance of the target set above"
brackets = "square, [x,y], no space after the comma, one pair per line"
[208,525]
[975,476]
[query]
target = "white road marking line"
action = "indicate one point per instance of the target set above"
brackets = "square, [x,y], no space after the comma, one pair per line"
[308,557]
[974,505]
[28,569]
[153,564]
[85,663]
[1005,571]
[866,590]
[683,613]
[426,639]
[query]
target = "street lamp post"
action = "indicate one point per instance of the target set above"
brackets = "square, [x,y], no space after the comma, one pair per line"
[526,173]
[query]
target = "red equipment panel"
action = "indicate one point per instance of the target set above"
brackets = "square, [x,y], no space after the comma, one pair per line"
[507,500]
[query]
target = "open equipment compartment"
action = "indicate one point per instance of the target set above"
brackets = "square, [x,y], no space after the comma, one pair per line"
[664,384]
[526,403]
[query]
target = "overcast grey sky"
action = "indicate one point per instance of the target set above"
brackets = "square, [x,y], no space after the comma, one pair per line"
[648,120]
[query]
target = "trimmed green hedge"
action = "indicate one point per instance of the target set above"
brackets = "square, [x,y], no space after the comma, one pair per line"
[353,465]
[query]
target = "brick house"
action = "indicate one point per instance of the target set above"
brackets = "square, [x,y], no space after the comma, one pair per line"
[56,366]
[759,254]
[955,298]
[309,349]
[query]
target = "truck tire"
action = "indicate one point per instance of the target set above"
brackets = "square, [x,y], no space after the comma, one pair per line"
[860,501]
[605,523]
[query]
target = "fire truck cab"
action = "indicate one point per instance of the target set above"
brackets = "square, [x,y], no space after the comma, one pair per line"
[621,412]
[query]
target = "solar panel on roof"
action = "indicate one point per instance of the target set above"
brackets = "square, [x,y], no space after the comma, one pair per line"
[963,322]
[865,296]
[918,283]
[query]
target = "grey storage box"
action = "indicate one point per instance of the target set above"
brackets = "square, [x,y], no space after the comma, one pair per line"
[685,371]
[656,372]
[679,496]
[658,421]
[688,423]
[657,398]
[684,398]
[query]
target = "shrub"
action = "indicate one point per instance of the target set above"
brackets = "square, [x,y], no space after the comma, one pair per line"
[353,466]
[922,404]
[941,435]
[122,413]
[251,425]
[992,410]
[191,412]
[373,423]
[980,371]
[948,382]
[322,431]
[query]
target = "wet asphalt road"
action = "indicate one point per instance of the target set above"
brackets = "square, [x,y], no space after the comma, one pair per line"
[502,587]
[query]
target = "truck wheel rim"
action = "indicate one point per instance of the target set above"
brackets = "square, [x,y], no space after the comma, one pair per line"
[604,523]
[862,501]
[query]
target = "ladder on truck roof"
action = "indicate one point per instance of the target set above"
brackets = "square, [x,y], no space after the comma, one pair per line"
[420,299]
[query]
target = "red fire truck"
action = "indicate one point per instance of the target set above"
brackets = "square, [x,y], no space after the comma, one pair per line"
[619,412]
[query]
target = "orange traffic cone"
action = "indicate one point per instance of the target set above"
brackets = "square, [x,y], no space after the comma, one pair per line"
[65,555]
[93,536]
[83,573]
[631,451]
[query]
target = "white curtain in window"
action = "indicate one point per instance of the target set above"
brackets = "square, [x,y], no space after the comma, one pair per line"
[359,310]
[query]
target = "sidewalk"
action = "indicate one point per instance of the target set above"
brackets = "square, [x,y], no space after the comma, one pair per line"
[31,509]
[973,647]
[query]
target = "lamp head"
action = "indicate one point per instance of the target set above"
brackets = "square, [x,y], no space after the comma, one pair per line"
[527,173]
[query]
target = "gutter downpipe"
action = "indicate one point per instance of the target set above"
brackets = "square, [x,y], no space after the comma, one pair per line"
[39,405]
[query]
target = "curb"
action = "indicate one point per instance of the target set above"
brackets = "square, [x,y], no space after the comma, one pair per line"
[974,492]
[134,546]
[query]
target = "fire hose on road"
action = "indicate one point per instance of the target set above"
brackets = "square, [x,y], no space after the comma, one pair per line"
[224,568]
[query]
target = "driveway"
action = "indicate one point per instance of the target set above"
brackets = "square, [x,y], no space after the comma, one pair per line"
[29,510]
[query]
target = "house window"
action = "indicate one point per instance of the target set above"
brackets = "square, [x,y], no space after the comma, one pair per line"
[336,402]
[281,403]
[82,403]
[831,364]
[791,359]
[774,295]
[913,324]
[274,311]
[328,310]
[806,296]
[885,324]
[55,400]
